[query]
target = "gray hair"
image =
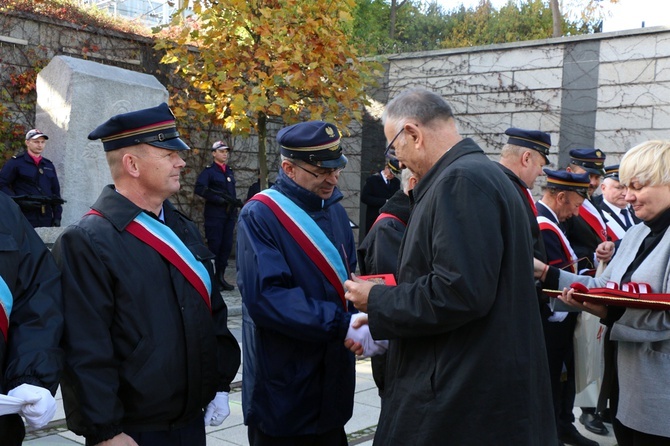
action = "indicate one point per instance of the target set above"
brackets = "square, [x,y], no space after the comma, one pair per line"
[404,177]
[416,103]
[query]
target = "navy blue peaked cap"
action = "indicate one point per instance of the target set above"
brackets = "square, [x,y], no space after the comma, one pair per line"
[612,172]
[564,180]
[394,165]
[154,126]
[591,160]
[533,139]
[314,142]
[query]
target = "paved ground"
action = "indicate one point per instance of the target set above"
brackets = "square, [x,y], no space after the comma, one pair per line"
[360,428]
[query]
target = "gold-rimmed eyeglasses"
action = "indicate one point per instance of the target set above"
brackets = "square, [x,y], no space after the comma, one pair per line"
[322,173]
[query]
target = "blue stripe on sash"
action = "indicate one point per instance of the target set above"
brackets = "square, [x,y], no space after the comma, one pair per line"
[312,231]
[6,298]
[166,234]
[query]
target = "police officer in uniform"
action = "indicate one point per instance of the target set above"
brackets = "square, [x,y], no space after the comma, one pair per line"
[216,184]
[31,179]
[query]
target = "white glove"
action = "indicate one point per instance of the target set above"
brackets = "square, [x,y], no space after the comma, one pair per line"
[39,407]
[362,336]
[217,410]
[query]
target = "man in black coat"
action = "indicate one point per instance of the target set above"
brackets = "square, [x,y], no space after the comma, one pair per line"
[149,357]
[378,253]
[467,364]
[377,190]
[31,324]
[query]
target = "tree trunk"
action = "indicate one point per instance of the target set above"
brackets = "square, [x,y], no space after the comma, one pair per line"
[262,154]
[392,20]
[557,19]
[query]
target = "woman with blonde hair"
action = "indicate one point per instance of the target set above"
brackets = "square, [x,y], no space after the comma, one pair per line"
[638,392]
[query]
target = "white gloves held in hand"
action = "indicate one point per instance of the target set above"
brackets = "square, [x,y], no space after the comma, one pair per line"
[362,336]
[217,410]
[40,406]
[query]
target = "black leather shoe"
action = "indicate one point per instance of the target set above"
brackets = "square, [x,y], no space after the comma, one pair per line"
[570,435]
[593,423]
[225,286]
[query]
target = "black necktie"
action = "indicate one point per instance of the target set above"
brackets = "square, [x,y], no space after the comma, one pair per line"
[624,218]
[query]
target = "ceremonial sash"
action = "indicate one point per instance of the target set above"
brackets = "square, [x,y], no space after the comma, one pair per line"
[163,239]
[384,215]
[6,302]
[548,225]
[529,198]
[614,230]
[592,217]
[309,236]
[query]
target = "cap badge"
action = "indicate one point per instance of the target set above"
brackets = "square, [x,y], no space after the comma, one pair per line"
[330,132]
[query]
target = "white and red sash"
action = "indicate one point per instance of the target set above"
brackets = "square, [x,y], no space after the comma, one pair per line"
[163,239]
[309,236]
[6,302]
[548,225]
[529,198]
[592,217]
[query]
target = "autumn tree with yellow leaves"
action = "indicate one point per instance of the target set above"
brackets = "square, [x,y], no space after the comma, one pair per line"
[252,62]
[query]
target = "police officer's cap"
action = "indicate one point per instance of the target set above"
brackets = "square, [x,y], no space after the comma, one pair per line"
[154,126]
[532,139]
[612,172]
[314,142]
[220,145]
[591,160]
[564,180]
[34,134]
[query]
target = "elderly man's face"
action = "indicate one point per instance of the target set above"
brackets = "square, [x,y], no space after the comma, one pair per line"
[568,205]
[614,192]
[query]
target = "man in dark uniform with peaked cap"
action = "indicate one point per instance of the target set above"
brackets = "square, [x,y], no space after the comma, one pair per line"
[294,250]
[562,197]
[149,357]
[589,237]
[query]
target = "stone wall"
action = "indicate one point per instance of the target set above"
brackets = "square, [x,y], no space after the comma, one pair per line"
[606,90]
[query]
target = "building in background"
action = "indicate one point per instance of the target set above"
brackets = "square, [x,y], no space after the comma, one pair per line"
[149,12]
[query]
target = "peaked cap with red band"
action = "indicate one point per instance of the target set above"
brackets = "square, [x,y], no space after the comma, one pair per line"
[154,126]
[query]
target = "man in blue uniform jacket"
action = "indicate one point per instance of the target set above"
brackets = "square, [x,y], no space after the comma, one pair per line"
[294,248]
[149,357]
[216,184]
[31,179]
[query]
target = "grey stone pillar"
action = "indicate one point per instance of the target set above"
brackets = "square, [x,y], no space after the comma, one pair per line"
[74,96]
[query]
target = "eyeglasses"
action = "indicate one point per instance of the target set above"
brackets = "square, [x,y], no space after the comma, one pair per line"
[322,173]
[390,151]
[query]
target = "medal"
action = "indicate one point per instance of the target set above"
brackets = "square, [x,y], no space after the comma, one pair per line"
[229,179]
[40,170]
